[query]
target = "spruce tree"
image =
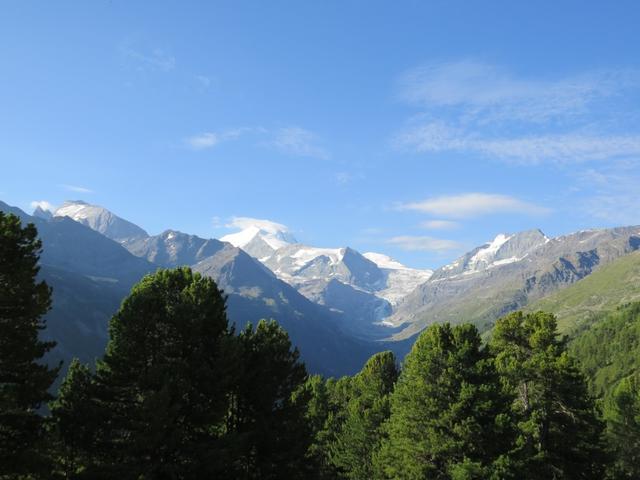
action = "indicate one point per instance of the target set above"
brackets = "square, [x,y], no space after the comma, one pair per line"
[161,388]
[267,429]
[622,413]
[75,422]
[559,433]
[24,378]
[446,410]
[360,436]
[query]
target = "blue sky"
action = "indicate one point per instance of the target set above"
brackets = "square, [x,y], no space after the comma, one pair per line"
[418,129]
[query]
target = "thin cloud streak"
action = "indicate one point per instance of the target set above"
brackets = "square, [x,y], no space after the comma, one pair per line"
[424,244]
[468,205]
[299,142]
[207,140]
[76,188]
[157,59]
[440,225]
[495,94]
[529,150]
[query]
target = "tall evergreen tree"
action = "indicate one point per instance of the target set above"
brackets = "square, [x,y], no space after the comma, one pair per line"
[360,436]
[75,422]
[326,414]
[446,419]
[161,389]
[559,433]
[24,379]
[267,424]
[622,413]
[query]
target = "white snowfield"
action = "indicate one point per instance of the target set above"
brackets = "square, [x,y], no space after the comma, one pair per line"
[100,219]
[303,266]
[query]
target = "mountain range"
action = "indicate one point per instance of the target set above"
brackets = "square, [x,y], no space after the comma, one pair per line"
[338,305]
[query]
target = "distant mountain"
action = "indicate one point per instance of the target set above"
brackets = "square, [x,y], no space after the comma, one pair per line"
[580,304]
[363,288]
[91,279]
[338,305]
[101,220]
[507,274]
[261,240]
[172,248]
[90,275]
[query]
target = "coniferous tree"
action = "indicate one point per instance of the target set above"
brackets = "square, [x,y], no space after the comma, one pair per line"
[559,433]
[160,391]
[24,379]
[446,419]
[360,436]
[317,414]
[75,422]
[327,414]
[266,426]
[622,414]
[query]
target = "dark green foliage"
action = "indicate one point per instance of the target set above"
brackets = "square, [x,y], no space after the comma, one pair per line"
[610,350]
[24,379]
[622,412]
[327,413]
[559,434]
[267,425]
[446,419]
[160,391]
[76,419]
[609,353]
[360,435]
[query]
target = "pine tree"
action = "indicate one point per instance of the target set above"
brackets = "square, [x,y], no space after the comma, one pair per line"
[24,379]
[360,436]
[559,433]
[76,421]
[267,424]
[622,414]
[446,410]
[161,388]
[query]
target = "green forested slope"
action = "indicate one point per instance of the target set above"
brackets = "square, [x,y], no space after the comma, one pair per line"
[580,304]
[610,349]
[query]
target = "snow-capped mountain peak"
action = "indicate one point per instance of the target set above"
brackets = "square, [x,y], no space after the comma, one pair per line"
[275,238]
[259,238]
[502,250]
[102,220]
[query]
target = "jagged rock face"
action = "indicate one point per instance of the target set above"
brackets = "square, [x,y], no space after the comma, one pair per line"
[364,288]
[172,248]
[480,292]
[504,249]
[42,213]
[101,220]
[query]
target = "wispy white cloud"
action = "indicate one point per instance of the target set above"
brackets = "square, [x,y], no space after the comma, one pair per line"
[75,188]
[486,110]
[494,93]
[426,244]
[241,223]
[611,194]
[156,58]
[473,205]
[529,150]
[440,225]
[203,80]
[44,205]
[206,140]
[299,142]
